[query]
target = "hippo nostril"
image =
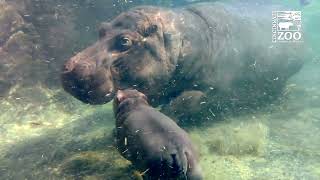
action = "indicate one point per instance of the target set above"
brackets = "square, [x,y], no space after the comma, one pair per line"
[68,67]
[114,71]
[83,70]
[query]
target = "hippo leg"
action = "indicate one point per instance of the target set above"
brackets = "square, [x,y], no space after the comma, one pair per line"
[180,162]
[194,171]
[187,107]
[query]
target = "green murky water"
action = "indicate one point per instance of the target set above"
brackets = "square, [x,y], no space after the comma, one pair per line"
[47,134]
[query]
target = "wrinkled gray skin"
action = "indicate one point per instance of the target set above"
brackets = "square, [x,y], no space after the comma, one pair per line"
[152,141]
[218,55]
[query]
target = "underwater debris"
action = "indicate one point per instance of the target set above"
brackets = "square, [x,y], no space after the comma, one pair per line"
[139,176]
[85,163]
[35,124]
[92,162]
[22,106]
[247,138]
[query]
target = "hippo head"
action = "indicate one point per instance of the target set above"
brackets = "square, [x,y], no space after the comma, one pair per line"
[138,49]
[126,100]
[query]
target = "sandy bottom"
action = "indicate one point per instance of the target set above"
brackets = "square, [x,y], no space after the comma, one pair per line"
[46,134]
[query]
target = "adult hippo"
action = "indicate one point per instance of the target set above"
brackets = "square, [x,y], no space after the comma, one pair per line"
[202,58]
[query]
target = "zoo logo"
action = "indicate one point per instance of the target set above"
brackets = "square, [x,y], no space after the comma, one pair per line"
[286,26]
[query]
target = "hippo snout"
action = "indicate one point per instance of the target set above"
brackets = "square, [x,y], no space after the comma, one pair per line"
[81,71]
[87,82]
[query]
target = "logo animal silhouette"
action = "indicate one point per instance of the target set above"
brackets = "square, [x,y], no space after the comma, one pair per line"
[285,25]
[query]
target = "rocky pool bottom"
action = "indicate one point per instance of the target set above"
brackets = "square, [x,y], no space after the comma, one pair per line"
[47,134]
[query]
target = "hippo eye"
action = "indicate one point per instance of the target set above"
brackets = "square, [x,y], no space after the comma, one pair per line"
[123,44]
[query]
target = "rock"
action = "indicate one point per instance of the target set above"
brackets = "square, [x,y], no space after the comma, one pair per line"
[20,51]
[10,21]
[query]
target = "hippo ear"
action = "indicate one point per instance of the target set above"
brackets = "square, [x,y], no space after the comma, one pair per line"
[151,30]
[102,32]
[120,96]
[143,96]
[103,29]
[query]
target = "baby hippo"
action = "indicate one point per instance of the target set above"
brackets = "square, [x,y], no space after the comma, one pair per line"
[153,142]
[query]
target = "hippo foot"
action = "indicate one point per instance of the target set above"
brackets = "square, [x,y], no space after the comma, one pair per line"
[192,101]
[174,163]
